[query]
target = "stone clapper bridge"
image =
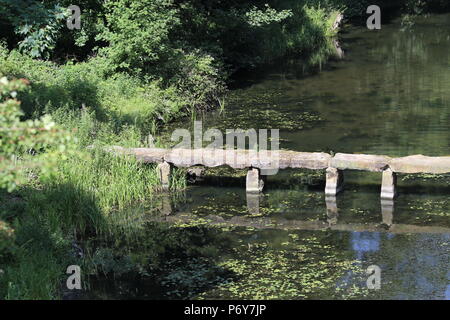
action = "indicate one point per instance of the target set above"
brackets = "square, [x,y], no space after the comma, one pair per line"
[257,161]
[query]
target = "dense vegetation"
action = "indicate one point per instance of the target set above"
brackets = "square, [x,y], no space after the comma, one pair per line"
[134,66]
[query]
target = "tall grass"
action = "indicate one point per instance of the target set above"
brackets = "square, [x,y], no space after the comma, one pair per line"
[36,275]
[92,193]
[117,98]
[104,183]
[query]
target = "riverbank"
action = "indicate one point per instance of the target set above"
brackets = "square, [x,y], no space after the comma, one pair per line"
[91,210]
[111,99]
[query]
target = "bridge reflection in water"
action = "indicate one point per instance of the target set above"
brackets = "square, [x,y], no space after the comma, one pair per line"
[256,220]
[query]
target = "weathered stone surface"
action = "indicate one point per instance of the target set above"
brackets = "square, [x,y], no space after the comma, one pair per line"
[334,181]
[366,162]
[387,211]
[388,184]
[182,157]
[268,162]
[254,183]
[309,160]
[237,159]
[213,157]
[149,155]
[240,159]
[164,170]
[337,21]
[166,205]
[266,159]
[420,164]
[284,159]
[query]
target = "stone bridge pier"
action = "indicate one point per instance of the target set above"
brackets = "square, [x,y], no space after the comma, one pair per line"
[257,162]
[254,181]
[388,184]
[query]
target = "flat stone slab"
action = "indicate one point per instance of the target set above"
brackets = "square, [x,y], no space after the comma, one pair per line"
[237,159]
[309,160]
[420,164]
[240,159]
[150,155]
[182,157]
[366,162]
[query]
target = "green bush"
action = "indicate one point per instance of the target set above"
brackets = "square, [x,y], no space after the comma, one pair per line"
[7,238]
[179,46]
[197,77]
[37,24]
[26,145]
[245,34]
[88,195]
[138,33]
[118,98]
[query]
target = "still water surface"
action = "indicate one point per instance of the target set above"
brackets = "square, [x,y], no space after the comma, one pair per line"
[390,94]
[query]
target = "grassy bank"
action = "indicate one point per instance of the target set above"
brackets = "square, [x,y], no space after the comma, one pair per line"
[125,75]
[85,196]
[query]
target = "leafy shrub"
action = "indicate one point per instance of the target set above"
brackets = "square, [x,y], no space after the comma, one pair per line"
[257,17]
[38,25]
[6,241]
[40,138]
[138,33]
[198,77]
[119,98]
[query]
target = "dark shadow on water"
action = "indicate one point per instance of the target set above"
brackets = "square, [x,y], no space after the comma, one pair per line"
[125,255]
[170,263]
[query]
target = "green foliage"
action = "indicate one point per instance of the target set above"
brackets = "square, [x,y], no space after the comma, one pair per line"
[257,17]
[7,238]
[120,98]
[413,8]
[89,194]
[138,33]
[25,145]
[198,78]
[38,25]
[186,46]
[133,65]
[141,40]
[141,36]
[36,277]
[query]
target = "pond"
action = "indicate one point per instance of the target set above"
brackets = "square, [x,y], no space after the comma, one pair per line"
[388,94]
